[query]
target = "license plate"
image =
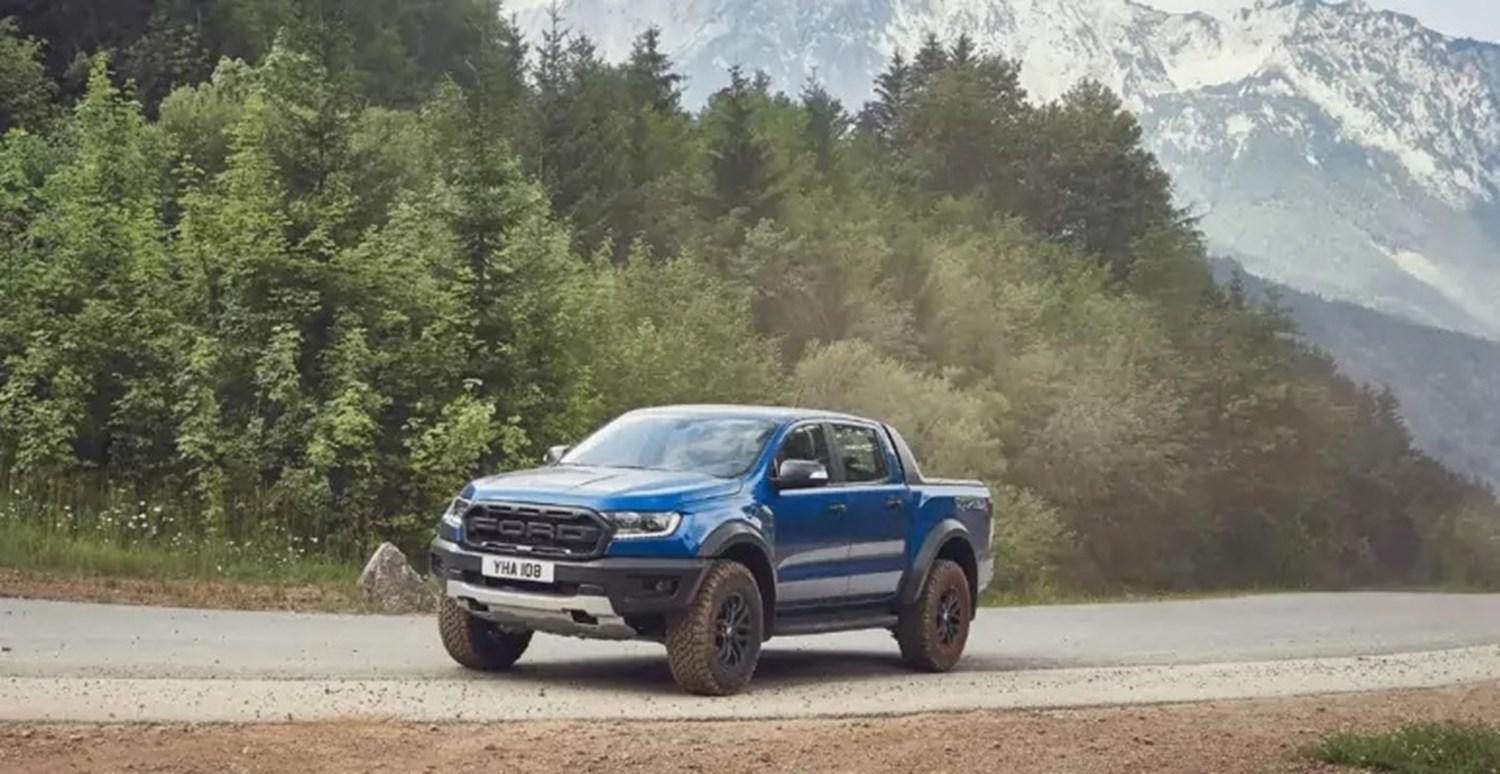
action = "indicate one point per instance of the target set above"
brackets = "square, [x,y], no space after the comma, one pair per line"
[511,568]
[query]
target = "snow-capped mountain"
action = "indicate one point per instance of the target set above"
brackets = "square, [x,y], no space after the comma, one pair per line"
[1337,149]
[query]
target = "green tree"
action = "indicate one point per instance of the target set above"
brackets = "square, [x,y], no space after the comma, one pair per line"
[932,58]
[893,90]
[744,174]
[1091,182]
[676,316]
[26,93]
[94,248]
[827,123]
[658,152]
[965,129]
[653,84]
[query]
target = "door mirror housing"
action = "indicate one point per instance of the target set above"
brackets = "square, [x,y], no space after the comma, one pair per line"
[555,454]
[801,474]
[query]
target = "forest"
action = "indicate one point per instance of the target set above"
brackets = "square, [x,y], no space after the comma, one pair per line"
[277,277]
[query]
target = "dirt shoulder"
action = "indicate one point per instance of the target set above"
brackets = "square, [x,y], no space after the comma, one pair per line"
[1246,736]
[183,592]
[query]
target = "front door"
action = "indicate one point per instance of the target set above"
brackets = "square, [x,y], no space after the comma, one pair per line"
[880,510]
[810,546]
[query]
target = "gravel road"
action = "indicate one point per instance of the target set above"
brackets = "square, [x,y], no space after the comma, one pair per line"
[66,661]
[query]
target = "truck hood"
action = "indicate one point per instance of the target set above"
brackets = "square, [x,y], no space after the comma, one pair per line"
[602,488]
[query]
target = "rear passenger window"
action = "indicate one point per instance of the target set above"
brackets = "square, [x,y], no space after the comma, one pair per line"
[862,453]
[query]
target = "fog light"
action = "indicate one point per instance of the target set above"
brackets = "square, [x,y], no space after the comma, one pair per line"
[664,586]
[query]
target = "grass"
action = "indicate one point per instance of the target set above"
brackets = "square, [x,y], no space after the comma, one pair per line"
[26,546]
[1418,748]
[37,562]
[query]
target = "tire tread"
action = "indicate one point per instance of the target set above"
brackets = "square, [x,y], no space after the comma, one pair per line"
[689,633]
[920,648]
[478,644]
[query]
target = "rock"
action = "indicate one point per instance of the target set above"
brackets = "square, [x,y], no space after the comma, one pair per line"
[392,584]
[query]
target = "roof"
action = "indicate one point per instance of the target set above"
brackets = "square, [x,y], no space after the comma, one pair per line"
[775,413]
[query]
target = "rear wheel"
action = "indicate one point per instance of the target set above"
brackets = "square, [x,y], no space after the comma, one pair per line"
[477,643]
[714,645]
[932,632]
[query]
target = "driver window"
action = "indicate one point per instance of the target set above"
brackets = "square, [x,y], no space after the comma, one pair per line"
[807,442]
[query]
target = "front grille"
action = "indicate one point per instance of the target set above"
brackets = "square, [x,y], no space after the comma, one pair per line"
[535,530]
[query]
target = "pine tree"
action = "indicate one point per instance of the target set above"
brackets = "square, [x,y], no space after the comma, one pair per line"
[657,148]
[893,89]
[494,76]
[963,53]
[552,89]
[826,125]
[652,82]
[964,135]
[744,181]
[310,87]
[584,138]
[1105,191]
[931,59]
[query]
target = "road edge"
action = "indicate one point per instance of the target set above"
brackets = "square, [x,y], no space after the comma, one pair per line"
[82,699]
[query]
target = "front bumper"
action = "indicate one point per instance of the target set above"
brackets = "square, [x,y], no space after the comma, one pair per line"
[608,598]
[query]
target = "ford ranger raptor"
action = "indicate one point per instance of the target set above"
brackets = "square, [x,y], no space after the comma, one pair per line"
[712,529]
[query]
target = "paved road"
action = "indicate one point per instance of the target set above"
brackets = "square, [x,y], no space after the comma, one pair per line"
[86,662]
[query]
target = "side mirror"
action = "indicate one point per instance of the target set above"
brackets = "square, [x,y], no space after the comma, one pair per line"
[555,454]
[801,474]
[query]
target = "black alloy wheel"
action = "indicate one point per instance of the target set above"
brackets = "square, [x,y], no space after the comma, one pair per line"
[933,630]
[713,646]
[732,631]
[950,614]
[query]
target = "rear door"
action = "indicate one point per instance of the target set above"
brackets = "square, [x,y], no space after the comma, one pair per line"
[810,545]
[880,509]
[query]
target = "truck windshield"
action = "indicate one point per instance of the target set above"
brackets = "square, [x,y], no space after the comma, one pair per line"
[717,446]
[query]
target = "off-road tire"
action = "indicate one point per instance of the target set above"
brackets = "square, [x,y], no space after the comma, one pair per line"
[696,637]
[933,630]
[476,643]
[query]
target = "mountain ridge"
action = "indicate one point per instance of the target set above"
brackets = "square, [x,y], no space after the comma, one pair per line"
[1440,377]
[1331,147]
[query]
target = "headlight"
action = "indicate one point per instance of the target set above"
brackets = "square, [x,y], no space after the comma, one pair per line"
[643,524]
[454,516]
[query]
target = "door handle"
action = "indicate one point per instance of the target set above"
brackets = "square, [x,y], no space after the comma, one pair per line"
[837,508]
[894,503]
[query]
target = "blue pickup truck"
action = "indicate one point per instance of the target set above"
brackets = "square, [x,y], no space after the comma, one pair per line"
[711,529]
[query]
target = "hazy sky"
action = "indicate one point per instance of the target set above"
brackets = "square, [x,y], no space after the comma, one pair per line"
[1466,18]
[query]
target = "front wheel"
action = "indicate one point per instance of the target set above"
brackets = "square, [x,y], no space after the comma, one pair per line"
[932,631]
[476,643]
[714,645]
